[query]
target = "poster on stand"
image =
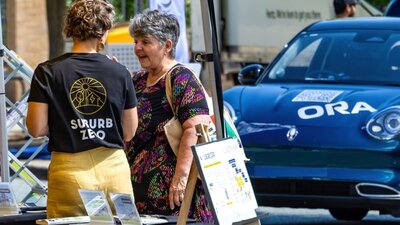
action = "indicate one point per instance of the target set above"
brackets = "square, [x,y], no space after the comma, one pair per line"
[226,181]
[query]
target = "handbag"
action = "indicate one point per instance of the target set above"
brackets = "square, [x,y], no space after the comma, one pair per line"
[173,128]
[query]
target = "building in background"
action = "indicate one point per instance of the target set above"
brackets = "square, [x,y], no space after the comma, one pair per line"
[24,24]
[26,29]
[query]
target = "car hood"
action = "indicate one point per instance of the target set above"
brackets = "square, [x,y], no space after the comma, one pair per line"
[309,115]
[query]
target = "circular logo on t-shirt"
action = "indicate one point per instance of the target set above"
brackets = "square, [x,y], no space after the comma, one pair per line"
[87,95]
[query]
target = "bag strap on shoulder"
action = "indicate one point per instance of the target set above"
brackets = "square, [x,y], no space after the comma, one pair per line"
[168,86]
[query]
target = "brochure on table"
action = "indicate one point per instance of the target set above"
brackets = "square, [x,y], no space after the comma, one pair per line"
[125,207]
[127,212]
[65,220]
[8,203]
[96,206]
[226,181]
[99,211]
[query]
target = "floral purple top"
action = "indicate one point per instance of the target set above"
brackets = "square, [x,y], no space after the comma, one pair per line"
[150,156]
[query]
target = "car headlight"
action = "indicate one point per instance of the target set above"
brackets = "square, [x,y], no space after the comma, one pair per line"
[231,111]
[385,125]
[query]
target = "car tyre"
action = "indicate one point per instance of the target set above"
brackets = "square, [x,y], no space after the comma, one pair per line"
[348,214]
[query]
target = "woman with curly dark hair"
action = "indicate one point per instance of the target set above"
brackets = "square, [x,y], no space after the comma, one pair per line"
[85,103]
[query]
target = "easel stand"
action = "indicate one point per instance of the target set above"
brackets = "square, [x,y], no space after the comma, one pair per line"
[201,130]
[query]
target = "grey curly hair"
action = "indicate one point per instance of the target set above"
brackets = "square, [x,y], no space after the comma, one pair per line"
[158,24]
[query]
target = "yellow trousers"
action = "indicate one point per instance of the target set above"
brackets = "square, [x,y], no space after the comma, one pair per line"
[101,168]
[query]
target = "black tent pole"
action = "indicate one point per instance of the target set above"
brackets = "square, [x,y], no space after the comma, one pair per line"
[212,59]
[217,65]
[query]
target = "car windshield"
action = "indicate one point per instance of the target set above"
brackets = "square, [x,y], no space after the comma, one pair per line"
[365,57]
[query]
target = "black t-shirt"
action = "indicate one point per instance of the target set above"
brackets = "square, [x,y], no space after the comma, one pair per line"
[86,94]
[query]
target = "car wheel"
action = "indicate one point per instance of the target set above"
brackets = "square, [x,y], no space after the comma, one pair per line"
[348,214]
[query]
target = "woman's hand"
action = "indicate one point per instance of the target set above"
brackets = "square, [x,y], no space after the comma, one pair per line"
[113,58]
[177,190]
[184,159]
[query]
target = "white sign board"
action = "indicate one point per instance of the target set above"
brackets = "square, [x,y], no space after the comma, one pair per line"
[226,181]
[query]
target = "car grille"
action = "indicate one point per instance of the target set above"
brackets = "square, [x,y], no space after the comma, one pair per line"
[303,187]
[318,194]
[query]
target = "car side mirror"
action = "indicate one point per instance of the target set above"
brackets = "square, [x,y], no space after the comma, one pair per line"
[249,74]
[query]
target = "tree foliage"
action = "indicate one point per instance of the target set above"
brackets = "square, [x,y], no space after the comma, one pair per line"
[55,17]
[379,4]
[131,6]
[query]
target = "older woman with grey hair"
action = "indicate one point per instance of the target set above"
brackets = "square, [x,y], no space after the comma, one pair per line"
[159,177]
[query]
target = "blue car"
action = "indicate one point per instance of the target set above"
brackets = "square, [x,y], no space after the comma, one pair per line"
[321,124]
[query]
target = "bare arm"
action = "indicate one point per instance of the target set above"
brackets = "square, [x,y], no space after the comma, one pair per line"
[129,123]
[37,119]
[184,159]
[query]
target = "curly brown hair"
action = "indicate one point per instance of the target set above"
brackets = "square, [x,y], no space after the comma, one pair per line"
[87,19]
